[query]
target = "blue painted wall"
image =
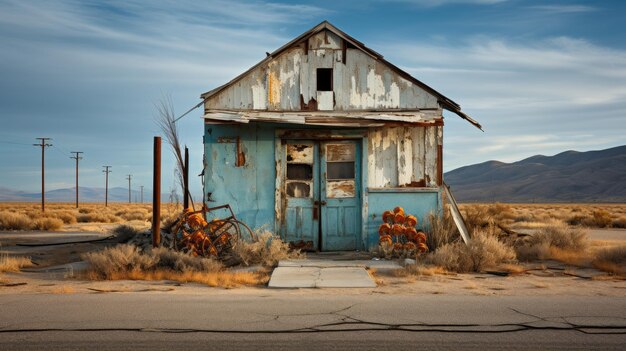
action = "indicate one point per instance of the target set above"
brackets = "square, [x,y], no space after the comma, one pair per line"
[250,189]
[420,204]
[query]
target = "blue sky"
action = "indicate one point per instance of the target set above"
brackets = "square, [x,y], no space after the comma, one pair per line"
[541,76]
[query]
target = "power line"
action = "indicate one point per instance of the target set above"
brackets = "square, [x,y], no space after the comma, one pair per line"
[76,157]
[129,177]
[106,170]
[43,144]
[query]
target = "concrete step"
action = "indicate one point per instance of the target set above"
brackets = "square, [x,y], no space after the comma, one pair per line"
[320,277]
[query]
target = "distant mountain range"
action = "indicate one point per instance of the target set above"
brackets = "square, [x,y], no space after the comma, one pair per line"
[85,194]
[571,176]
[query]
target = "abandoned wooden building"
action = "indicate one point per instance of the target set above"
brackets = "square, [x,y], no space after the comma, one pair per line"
[319,138]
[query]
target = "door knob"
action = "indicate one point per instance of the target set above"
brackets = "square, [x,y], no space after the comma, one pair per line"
[323,203]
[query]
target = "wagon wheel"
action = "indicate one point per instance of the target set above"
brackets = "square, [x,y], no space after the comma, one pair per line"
[207,248]
[245,233]
[230,228]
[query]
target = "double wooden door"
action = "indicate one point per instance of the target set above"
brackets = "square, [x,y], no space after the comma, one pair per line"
[322,201]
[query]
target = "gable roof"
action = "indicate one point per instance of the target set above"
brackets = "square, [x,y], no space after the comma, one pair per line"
[445,102]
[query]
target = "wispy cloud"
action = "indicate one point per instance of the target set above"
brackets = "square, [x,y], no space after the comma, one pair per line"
[563,8]
[531,97]
[432,3]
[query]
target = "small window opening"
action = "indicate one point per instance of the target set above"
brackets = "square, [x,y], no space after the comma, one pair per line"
[324,79]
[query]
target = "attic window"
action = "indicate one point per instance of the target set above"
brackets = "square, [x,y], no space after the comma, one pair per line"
[324,79]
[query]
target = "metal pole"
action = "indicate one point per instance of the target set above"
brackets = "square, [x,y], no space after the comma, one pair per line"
[186,179]
[141,193]
[76,157]
[156,193]
[43,145]
[106,187]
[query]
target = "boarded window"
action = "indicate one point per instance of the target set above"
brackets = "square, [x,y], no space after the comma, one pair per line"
[324,79]
[340,170]
[299,177]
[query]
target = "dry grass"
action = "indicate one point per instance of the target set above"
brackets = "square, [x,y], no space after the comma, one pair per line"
[420,270]
[14,221]
[128,262]
[483,251]
[13,264]
[442,230]
[536,215]
[612,260]
[554,241]
[267,251]
[28,216]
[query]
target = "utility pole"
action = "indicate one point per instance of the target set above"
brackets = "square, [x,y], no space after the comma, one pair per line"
[141,193]
[129,177]
[43,144]
[76,157]
[106,187]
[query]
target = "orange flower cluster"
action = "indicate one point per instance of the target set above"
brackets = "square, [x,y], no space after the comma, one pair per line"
[399,232]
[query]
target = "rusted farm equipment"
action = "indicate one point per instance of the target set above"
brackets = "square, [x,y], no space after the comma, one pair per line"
[193,234]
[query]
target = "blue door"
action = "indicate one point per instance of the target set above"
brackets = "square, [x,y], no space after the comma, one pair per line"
[339,195]
[300,224]
[321,197]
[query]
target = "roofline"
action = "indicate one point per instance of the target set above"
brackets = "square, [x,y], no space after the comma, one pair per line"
[446,102]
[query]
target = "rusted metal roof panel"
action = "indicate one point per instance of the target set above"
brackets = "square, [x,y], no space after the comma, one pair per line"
[286,79]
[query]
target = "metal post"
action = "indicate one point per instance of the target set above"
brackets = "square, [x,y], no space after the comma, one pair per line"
[141,193]
[156,193]
[76,157]
[186,179]
[106,187]
[43,145]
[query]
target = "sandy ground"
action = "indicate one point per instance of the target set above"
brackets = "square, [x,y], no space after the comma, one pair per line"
[50,275]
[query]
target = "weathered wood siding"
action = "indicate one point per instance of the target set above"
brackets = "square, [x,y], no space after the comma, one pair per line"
[404,156]
[288,82]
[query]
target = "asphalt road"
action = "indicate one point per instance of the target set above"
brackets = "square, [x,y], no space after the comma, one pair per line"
[309,320]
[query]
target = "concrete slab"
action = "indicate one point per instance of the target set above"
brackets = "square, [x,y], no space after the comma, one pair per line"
[294,277]
[321,277]
[344,277]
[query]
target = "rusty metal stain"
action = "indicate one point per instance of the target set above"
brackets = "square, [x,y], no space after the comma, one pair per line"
[300,153]
[274,89]
[310,106]
[340,188]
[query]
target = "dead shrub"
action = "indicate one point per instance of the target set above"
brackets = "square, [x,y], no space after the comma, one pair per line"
[13,264]
[619,222]
[126,258]
[125,232]
[67,217]
[128,262]
[612,260]
[483,251]
[555,235]
[14,221]
[599,219]
[97,218]
[442,230]
[576,220]
[266,251]
[47,224]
